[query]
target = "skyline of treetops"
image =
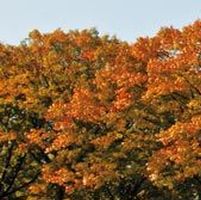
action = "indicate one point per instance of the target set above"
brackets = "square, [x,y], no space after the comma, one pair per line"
[91,117]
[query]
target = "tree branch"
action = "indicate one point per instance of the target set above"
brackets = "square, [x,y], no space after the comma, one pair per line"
[22,186]
[7,161]
[16,170]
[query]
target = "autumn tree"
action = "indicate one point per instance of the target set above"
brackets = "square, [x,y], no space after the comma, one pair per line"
[85,116]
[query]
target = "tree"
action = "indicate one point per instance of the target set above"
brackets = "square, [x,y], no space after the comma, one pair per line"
[93,117]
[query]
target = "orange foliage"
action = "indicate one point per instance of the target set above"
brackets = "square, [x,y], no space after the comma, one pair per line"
[107,100]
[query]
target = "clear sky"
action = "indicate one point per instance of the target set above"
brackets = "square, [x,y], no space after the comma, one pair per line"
[127,19]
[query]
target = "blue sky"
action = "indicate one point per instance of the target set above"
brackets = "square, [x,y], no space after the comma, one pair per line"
[127,19]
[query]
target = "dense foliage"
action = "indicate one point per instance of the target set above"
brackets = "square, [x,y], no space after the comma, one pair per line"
[84,116]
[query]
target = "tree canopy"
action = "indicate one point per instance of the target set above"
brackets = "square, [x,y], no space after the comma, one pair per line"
[84,116]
